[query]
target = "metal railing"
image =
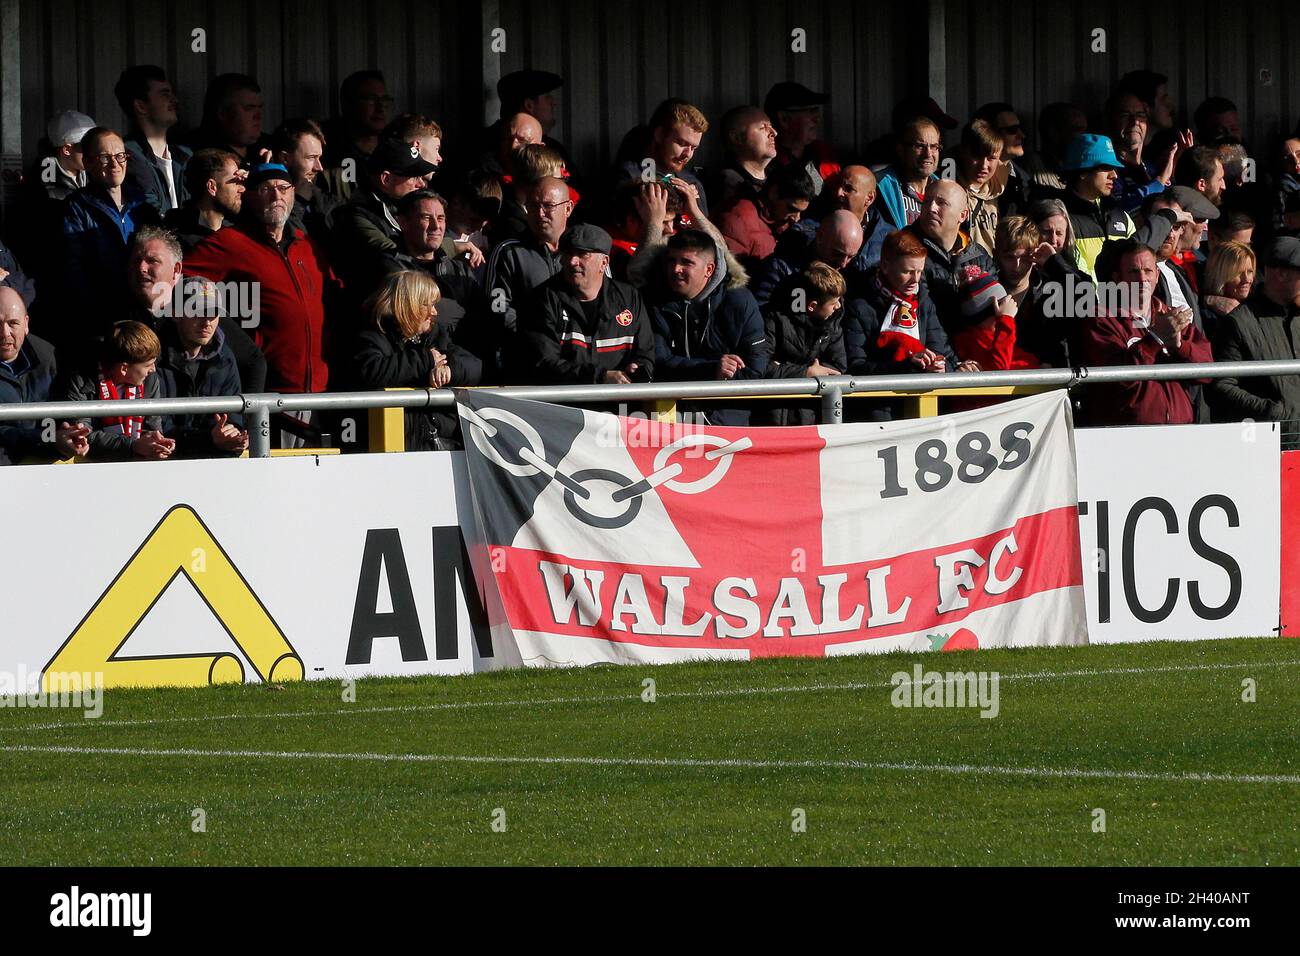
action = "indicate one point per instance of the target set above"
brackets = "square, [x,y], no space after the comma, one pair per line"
[921,389]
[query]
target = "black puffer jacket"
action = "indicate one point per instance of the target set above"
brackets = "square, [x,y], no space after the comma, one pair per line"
[796,342]
[384,359]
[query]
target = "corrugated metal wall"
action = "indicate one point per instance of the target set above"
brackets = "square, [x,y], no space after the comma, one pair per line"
[621,59]
[299,51]
[1035,53]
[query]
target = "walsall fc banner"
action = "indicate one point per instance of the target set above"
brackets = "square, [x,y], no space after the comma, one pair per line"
[624,540]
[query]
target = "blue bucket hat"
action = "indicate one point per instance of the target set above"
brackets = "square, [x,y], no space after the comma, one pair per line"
[1090,151]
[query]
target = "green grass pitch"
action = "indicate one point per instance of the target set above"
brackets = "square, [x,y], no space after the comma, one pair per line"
[574,767]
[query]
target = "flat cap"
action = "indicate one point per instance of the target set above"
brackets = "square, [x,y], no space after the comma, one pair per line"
[1283,251]
[1194,201]
[586,238]
[514,88]
[788,95]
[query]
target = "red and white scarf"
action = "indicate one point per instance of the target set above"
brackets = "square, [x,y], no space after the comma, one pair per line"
[129,425]
[900,331]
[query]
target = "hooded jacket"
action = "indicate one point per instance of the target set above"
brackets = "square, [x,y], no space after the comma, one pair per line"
[692,335]
[563,341]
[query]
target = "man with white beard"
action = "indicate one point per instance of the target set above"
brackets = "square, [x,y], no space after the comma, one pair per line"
[292,274]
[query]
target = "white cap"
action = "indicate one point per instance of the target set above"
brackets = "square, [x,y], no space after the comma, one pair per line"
[67,128]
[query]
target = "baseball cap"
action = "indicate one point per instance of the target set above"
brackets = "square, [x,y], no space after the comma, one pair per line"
[586,238]
[1283,251]
[68,128]
[1194,201]
[788,95]
[523,84]
[266,172]
[403,159]
[1090,151]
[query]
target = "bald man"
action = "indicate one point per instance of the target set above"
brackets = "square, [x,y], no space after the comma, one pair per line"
[853,190]
[948,248]
[750,140]
[27,372]
[837,242]
[521,129]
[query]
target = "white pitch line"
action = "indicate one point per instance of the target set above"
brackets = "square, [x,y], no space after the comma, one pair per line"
[621,698]
[1064,773]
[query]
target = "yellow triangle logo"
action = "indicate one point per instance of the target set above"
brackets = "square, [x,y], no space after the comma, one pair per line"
[180,544]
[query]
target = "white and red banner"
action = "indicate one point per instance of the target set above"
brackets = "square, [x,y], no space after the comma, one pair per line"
[625,540]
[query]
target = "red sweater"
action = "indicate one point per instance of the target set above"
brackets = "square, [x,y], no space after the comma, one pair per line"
[291,324]
[1111,340]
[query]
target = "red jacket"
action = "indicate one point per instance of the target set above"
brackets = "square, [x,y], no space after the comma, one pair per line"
[1112,340]
[290,325]
[992,343]
[746,231]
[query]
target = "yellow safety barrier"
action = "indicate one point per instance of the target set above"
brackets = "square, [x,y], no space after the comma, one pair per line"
[388,427]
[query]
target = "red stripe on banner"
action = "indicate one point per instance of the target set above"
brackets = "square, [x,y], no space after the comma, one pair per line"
[1290,525]
[1046,558]
[768,510]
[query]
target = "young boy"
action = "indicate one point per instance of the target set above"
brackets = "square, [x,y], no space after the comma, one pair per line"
[125,371]
[804,327]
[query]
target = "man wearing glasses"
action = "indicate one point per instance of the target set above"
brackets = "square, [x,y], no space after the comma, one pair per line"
[901,187]
[1016,197]
[364,110]
[517,267]
[290,272]
[98,222]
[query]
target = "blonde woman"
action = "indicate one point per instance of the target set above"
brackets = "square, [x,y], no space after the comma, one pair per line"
[405,347]
[1229,277]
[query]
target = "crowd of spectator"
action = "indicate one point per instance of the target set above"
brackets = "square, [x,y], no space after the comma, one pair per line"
[348,254]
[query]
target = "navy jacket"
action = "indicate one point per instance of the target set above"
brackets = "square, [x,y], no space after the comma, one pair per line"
[863,318]
[212,374]
[692,335]
[96,236]
[30,380]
